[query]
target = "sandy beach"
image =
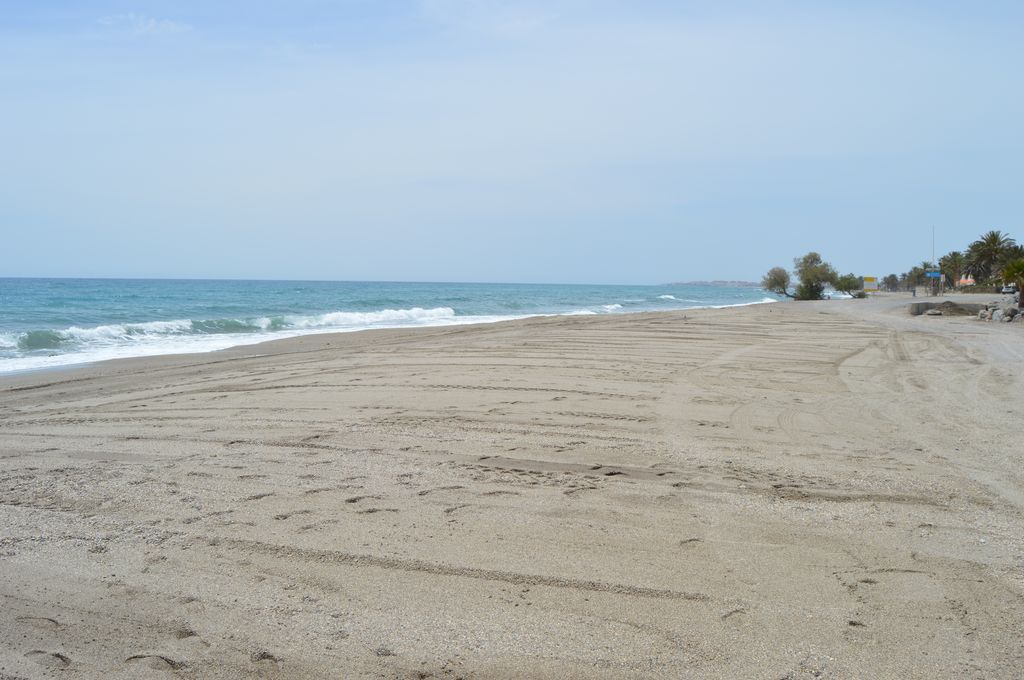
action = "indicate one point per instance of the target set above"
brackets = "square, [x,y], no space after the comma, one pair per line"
[814,490]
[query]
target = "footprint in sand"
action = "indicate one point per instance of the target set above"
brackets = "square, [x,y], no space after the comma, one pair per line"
[38,621]
[183,632]
[156,662]
[424,492]
[48,659]
[264,658]
[286,515]
[356,499]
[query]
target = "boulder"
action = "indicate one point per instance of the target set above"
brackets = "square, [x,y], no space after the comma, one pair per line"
[933,312]
[997,315]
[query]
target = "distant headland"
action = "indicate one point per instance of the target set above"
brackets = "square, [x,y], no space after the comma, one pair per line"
[734,284]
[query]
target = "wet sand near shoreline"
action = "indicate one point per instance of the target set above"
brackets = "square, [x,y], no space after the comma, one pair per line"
[828,490]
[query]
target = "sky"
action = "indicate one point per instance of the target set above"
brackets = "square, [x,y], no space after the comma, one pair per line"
[523,141]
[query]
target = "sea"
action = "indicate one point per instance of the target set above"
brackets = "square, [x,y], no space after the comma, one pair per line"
[53,323]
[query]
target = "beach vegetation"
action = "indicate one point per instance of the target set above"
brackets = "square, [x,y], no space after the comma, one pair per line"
[814,274]
[1013,272]
[916,275]
[851,284]
[952,267]
[777,281]
[988,253]
[982,263]
[891,283]
[1011,254]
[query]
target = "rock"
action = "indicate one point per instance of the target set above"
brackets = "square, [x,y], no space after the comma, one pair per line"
[1010,311]
[933,312]
[997,315]
[1007,318]
[982,315]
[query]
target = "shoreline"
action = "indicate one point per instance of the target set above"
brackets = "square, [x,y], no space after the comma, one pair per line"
[302,343]
[255,341]
[780,490]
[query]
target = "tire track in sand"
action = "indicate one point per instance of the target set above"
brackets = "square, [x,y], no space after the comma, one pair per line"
[441,569]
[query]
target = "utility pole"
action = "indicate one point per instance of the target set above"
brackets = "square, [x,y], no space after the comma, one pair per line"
[934,272]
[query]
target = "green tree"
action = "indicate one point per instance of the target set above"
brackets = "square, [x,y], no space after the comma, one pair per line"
[1011,254]
[1013,272]
[891,283]
[777,281]
[916,275]
[985,255]
[814,274]
[848,283]
[952,267]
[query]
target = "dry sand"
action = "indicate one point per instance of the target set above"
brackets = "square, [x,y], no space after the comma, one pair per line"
[828,490]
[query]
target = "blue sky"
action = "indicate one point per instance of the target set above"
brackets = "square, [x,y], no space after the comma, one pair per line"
[554,141]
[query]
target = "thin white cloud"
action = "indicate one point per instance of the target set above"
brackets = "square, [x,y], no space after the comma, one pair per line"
[137,24]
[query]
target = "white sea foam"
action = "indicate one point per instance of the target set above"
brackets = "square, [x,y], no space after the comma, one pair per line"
[666,297]
[416,315]
[78,345]
[125,331]
[762,301]
[153,347]
[183,336]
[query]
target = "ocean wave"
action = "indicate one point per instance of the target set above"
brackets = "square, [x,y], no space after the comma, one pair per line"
[135,333]
[121,333]
[667,297]
[762,301]
[47,348]
[57,339]
[344,319]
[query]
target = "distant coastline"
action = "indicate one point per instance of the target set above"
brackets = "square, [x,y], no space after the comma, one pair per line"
[733,284]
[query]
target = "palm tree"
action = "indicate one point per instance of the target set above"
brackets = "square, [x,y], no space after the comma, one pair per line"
[952,265]
[1011,254]
[1013,272]
[985,255]
[916,277]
